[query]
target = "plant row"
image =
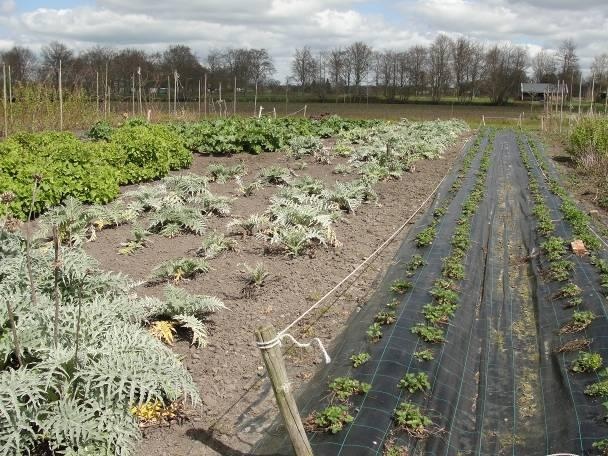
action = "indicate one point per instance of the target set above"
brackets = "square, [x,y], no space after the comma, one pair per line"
[560,269]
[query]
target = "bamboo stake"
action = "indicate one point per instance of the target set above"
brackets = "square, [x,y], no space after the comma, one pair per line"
[60,99]
[592,94]
[56,285]
[4,100]
[199,97]
[175,76]
[10,93]
[580,94]
[255,99]
[133,94]
[273,359]
[234,98]
[169,92]
[97,89]
[205,94]
[141,107]
[107,94]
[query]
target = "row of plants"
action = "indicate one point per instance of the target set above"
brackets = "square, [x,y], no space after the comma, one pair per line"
[59,165]
[560,269]
[82,360]
[407,415]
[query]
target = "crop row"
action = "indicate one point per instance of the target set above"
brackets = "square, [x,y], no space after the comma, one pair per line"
[560,270]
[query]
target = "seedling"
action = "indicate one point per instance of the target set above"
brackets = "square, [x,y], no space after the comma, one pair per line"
[360,359]
[426,236]
[599,388]
[248,189]
[428,333]
[390,450]
[179,269]
[424,355]
[393,304]
[385,318]
[401,286]
[138,242]
[415,382]
[374,332]
[415,263]
[440,211]
[587,362]
[331,419]
[345,387]
[214,244]
[602,446]
[574,302]
[409,417]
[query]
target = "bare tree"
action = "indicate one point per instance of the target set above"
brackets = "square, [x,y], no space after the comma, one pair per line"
[439,65]
[22,62]
[360,58]
[304,67]
[416,57]
[462,53]
[476,69]
[335,65]
[52,54]
[568,61]
[599,68]
[544,66]
[505,70]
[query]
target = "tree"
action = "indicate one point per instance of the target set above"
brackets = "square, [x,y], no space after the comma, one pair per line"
[505,70]
[304,67]
[261,64]
[22,62]
[52,54]
[462,56]
[568,59]
[544,66]
[335,64]
[439,65]
[599,69]
[360,58]
[416,58]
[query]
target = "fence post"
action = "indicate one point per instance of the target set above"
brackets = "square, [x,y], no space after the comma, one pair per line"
[273,359]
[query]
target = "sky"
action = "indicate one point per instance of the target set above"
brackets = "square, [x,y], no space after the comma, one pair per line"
[282,25]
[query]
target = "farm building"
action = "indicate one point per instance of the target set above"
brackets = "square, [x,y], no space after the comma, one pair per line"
[537,91]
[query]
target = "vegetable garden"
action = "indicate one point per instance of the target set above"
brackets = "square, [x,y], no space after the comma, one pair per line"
[92,356]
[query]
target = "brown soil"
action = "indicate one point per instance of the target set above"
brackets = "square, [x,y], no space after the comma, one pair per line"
[229,372]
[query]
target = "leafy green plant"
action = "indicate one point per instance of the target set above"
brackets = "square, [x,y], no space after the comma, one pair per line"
[453,268]
[424,355]
[409,417]
[570,290]
[249,226]
[415,263]
[401,286]
[344,387]
[426,236]
[274,175]
[332,419]
[100,131]
[415,382]
[256,276]
[179,269]
[221,174]
[580,320]
[560,270]
[430,334]
[438,313]
[248,189]
[173,220]
[444,296]
[374,332]
[599,388]
[392,304]
[300,146]
[587,362]
[385,318]
[342,169]
[554,247]
[360,359]
[601,445]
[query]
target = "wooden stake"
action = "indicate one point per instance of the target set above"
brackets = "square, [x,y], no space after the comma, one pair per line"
[175,76]
[4,100]
[60,99]
[10,94]
[169,93]
[199,97]
[107,94]
[205,94]
[97,88]
[234,98]
[133,94]
[273,359]
[592,94]
[255,99]
[56,245]
[580,94]
[141,107]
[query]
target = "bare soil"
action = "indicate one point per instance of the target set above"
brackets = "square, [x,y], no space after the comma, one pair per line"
[238,405]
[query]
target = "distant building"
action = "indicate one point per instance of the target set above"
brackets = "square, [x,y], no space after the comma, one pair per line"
[538,90]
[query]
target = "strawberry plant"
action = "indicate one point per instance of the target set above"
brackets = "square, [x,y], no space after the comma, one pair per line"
[374,332]
[587,362]
[360,359]
[385,318]
[344,387]
[415,382]
[428,333]
[332,419]
[409,417]
[401,286]
[424,355]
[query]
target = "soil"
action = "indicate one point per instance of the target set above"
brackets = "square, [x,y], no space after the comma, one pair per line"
[238,405]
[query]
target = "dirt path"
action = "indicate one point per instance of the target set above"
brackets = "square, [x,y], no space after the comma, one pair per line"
[237,406]
[502,382]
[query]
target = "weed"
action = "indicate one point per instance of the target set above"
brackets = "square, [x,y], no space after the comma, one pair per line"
[256,276]
[374,332]
[360,359]
[345,387]
[401,286]
[428,333]
[138,241]
[220,173]
[409,417]
[248,189]
[415,382]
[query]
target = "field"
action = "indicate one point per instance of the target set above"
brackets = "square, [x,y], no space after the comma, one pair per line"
[140,306]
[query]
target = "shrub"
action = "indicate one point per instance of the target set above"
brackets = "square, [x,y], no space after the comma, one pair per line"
[101,130]
[589,136]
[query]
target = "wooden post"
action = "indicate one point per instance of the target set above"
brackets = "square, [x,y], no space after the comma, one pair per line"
[199,97]
[234,98]
[60,100]
[592,94]
[10,94]
[205,94]
[580,94]
[483,119]
[305,106]
[133,94]
[273,359]
[169,93]
[4,100]
[97,89]
[255,99]
[175,76]
[107,95]
[141,107]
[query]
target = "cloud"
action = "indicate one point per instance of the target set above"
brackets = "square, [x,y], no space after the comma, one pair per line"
[282,25]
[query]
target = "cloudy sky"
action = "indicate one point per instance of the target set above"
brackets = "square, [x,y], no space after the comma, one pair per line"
[282,25]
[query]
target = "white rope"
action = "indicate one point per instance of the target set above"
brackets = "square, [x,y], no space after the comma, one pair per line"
[277,340]
[295,112]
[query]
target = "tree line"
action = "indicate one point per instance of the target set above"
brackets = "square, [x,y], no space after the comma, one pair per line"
[460,67]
